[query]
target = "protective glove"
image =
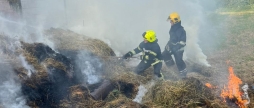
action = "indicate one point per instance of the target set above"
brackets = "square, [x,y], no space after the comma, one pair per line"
[129,54]
[167,48]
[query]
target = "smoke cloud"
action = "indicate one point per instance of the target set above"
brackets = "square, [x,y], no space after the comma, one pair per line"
[90,67]
[141,93]
[121,23]
[28,67]
[142,90]
[10,88]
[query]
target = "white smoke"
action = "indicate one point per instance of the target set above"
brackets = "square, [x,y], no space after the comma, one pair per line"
[89,71]
[90,67]
[10,88]
[142,90]
[10,95]
[193,50]
[123,22]
[20,30]
[28,67]
[141,93]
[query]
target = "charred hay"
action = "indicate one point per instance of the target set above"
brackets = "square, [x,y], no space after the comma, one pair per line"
[49,80]
[52,69]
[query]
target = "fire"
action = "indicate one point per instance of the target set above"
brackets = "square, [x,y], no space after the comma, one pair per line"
[232,90]
[210,86]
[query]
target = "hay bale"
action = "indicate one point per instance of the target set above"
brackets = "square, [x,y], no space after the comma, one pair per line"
[185,93]
[79,97]
[79,92]
[125,80]
[123,102]
[51,77]
[66,40]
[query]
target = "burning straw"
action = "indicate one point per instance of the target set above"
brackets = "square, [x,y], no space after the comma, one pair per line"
[232,90]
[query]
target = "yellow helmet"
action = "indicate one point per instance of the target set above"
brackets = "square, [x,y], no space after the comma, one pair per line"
[174,17]
[149,35]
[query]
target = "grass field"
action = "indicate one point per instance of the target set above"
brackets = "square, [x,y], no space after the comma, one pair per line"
[235,46]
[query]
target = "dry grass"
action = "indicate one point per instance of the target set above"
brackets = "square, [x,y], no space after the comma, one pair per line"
[122,102]
[184,93]
[238,51]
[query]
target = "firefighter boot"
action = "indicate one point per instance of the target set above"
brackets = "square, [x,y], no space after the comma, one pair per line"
[183,73]
[159,77]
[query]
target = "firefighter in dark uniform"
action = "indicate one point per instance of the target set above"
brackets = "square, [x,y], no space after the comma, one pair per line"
[151,54]
[175,45]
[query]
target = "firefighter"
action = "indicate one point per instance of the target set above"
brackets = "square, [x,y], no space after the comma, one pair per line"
[151,54]
[175,45]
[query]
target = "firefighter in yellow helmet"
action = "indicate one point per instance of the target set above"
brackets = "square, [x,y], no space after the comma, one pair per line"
[151,54]
[175,45]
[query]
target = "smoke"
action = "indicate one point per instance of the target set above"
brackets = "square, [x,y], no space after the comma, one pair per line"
[10,88]
[90,67]
[20,30]
[121,23]
[28,67]
[118,23]
[141,93]
[142,90]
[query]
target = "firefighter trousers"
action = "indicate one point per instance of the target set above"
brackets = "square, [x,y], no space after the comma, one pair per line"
[178,55]
[142,66]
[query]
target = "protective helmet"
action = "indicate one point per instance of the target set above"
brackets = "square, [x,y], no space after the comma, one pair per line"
[149,35]
[174,17]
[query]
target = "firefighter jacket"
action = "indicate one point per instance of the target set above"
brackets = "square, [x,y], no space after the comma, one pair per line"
[177,38]
[151,52]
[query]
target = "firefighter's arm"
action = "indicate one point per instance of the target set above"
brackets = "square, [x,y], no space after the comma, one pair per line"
[133,52]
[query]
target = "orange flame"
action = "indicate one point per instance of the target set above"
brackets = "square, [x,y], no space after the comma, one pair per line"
[232,91]
[208,85]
